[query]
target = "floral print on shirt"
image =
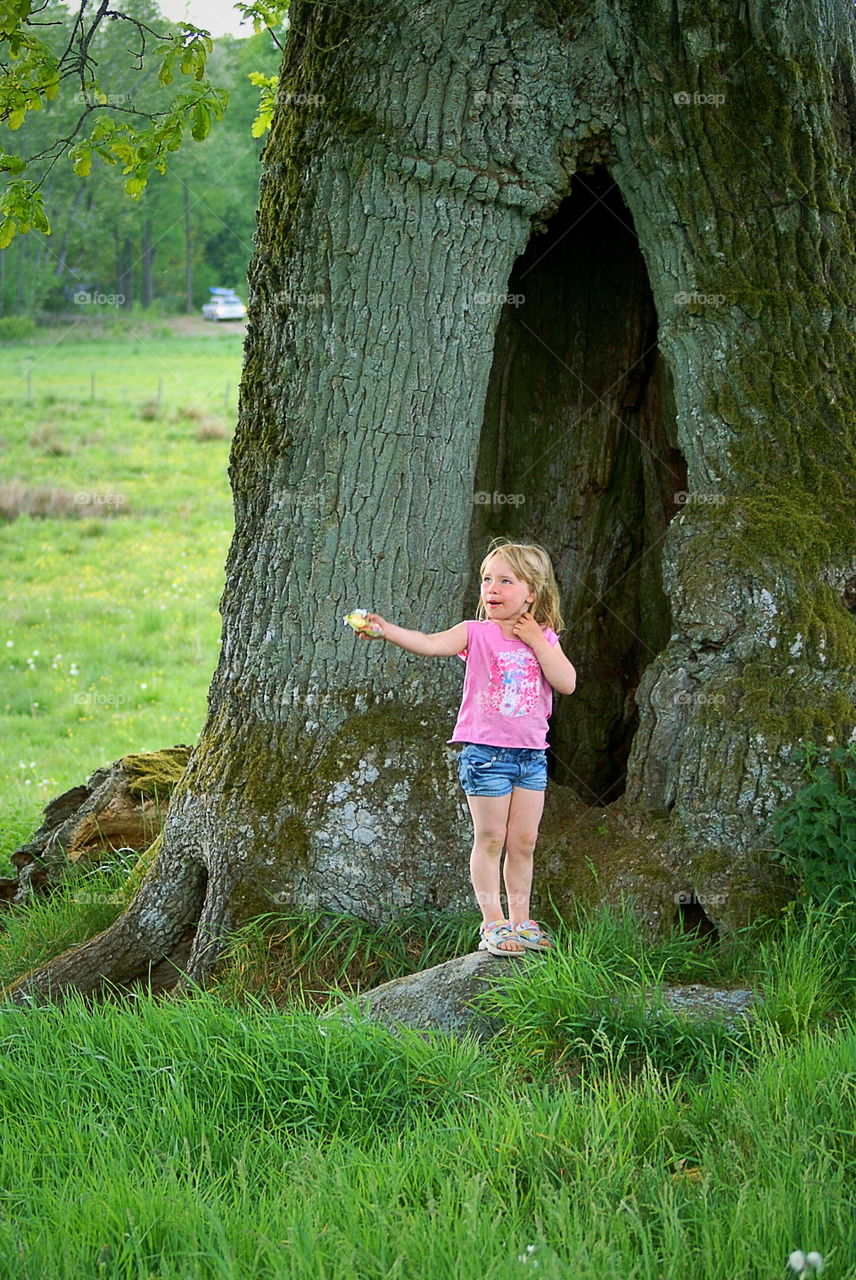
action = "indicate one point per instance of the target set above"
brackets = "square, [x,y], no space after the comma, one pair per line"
[513,684]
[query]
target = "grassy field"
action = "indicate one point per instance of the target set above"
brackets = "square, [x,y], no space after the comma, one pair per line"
[110,627]
[236,1134]
[224,1139]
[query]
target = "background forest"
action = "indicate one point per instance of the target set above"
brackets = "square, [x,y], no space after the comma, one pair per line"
[191,227]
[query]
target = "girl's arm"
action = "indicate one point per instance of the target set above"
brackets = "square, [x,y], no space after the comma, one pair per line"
[558,671]
[437,644]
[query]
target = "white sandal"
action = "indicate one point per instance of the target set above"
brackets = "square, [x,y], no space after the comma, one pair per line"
[533,937]
[494,934]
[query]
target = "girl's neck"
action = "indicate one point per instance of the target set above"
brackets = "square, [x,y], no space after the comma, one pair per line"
[507,627]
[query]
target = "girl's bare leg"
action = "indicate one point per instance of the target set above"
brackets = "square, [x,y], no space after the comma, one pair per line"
[524,818]
[490,820]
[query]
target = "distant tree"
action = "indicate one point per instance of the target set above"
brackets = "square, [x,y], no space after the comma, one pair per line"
[145,242]
[98,62]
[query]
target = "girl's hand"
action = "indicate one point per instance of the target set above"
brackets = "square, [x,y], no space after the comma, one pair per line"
[374,627]
[527,629]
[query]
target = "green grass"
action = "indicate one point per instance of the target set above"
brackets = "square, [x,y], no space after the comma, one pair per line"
[110,627]
[597,1006]
[201,1140]
[84,904]
[219,1136]
[297,956]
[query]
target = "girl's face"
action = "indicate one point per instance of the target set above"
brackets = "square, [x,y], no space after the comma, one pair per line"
[504,595]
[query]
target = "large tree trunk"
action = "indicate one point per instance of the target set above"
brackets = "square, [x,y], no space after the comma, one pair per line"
[577,273]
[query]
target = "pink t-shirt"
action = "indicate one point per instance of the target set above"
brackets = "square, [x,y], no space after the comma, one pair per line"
[506,698]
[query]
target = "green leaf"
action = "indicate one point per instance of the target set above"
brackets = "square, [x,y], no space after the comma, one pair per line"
[83,161]
[201,121]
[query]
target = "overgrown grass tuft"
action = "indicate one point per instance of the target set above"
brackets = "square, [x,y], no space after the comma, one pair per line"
[301,955]
[593,1004]
[807,969]
[596,1005]
[46,925]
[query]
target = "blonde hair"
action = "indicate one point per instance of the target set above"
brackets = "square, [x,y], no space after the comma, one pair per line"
[531,565]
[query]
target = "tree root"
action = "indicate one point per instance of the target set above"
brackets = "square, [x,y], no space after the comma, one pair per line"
[150,937]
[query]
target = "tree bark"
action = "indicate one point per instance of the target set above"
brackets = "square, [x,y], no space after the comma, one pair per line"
[188,250]
[125,258]
[667,187]
[147,291]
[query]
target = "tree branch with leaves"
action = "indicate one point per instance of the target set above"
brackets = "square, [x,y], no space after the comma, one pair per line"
[48,53]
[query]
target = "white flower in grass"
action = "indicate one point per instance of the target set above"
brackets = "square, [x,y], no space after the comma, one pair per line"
[803,1263]
[9,644]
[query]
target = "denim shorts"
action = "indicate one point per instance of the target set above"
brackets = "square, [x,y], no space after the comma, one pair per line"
[494,771]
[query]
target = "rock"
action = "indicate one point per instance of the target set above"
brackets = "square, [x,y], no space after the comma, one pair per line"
[441,999]
[697,1001]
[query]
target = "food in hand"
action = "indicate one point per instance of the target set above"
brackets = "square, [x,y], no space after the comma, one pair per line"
[357,621]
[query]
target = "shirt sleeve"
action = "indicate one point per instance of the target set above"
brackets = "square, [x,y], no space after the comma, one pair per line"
[464,654]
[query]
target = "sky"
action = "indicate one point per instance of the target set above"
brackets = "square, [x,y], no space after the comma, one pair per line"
[217,16]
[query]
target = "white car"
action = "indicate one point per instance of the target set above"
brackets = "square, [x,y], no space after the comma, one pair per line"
[224,304]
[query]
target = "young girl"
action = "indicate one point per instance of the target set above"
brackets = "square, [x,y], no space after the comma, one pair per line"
[514,662]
